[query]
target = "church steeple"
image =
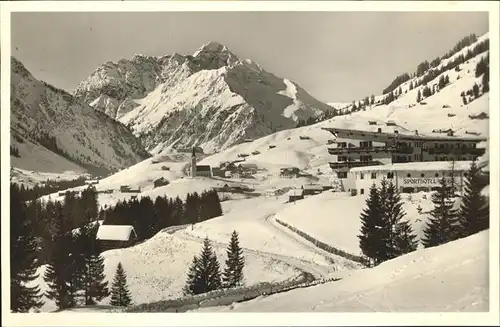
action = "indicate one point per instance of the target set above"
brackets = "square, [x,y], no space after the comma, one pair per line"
[193,164]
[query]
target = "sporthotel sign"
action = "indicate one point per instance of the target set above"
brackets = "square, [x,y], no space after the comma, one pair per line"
[422,181]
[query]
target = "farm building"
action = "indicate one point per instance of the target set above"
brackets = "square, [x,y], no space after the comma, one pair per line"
[312,189]
[116,236]
[289,172]
[295,194]
[160,182]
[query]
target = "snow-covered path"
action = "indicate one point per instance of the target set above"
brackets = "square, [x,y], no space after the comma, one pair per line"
[260,235]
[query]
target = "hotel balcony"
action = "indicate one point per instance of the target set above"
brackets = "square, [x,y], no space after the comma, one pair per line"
[353,164]
[404,150]
[370,149]
[471,151]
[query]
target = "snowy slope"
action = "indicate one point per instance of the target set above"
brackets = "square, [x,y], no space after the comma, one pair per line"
[443,110]
[31,178]
[157,268]
[43,116]
[334,218]
[448,278]
[211,98]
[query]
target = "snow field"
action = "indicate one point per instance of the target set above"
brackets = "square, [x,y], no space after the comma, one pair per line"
[427,280]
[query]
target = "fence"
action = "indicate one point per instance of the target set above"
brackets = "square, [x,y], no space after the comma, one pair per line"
[228,296]
[324,246]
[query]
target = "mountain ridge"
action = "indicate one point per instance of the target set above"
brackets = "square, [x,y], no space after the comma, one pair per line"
[49,123]
[236,99]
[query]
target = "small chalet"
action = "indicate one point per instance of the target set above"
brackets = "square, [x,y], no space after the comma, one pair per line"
[116,236]
[295,194]
[289,172]
[160,182]
[312,189]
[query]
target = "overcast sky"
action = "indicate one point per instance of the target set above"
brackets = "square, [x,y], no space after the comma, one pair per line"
[335,56]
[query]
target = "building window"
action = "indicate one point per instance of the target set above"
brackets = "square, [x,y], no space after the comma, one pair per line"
[374,175]
[361,176]
[390,175]
[435,158]
[342,174]
[422,175]
[362,191]
[342,158]
[408,175]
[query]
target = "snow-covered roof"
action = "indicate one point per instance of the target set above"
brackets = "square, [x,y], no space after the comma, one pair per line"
[402,133]
[115,232]
[418,166]
[296,192]
[313,187]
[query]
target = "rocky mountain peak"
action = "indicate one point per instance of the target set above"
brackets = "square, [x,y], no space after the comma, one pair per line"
[214,55]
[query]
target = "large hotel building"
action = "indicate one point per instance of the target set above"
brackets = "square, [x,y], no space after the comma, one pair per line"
[415,162]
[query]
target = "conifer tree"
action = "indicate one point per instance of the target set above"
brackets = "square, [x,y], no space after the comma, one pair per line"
[370,239]
[120,295]
[192,283]
[474,211]
[23,261]
[92,278]
[204,274]
[419,96]
[442,225]
[401,239]
[60,271]
[475,90]
[233,273]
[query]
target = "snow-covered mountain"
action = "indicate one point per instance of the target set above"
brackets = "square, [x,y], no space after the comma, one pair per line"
[51,131]
[211,99]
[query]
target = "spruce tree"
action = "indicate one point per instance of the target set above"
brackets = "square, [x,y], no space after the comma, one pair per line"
[60,271]
[192,286]
[206,270]
[401,239]
[23,261]
[120,295]
[233,273]
[419,97]
[474,212]
[442,225]
[370,239]
[93,283]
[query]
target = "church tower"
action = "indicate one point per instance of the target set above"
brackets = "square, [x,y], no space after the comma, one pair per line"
[193,164]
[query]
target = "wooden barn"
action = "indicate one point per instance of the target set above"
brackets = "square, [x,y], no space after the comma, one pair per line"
[295,194]
[116,236]
[312,189]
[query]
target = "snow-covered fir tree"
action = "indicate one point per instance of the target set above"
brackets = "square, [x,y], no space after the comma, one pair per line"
[233,273]
[23,257]
[92,279]
[442,225]
[370,238]
[61,269]
[120,295]
[400,237]
[204,274]
[474,213]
